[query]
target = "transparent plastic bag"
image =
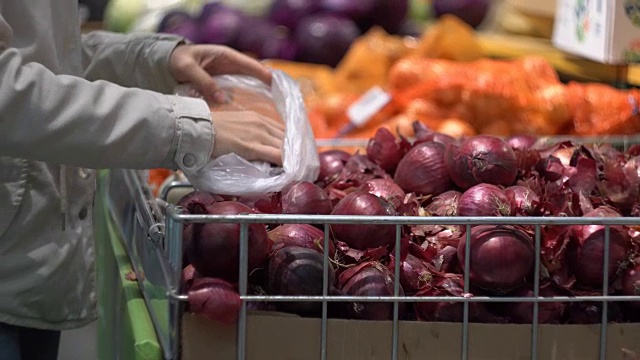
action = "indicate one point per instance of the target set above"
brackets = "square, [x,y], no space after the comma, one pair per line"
[231,174]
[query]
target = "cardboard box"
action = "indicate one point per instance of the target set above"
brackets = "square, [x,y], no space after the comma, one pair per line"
[606,31]
[282,337]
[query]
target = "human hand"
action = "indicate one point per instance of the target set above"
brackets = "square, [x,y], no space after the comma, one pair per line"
[249,135]
[196,64]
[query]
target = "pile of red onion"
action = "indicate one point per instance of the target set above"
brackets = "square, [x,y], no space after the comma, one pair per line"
[437,176]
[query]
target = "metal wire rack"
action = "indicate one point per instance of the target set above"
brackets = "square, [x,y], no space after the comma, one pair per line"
[152,232]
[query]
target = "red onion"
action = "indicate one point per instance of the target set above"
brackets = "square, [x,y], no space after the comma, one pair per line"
[634,150]
[297,271]
[521,142]
[445,204]
[414,274]
[303,235]
[385,150]
[215,299]
[620,184]
[289,12]
[303,197]
[215,247]
[450,285]
[422,170]
[220,24]
[268,203]
[523,200]
[350,9]
[363,236]
[317,33]
[447,260]
[591,312]
[370,279]
[194,202]
[385,189]
[331,163]
[481,159]
[484,200]
[472,12]
[501,257]
[424,134]
[197,197]
[586,250]
[630,286]
[548,312]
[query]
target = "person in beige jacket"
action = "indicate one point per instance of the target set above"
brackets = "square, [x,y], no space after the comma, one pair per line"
[72,102]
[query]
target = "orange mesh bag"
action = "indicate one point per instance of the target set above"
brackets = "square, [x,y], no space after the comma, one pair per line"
[600,109]
[493,96]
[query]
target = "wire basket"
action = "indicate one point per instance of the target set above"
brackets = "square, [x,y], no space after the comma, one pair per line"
[152,229]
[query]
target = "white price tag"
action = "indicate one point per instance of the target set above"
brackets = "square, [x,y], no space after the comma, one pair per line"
[368,105]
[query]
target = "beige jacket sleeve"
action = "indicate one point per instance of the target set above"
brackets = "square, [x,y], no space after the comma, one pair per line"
[98,124]
[131,60]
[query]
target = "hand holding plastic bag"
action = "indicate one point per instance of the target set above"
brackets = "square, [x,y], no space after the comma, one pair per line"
[231,174]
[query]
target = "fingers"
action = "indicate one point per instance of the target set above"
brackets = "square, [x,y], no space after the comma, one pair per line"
[201,80]
[237,63]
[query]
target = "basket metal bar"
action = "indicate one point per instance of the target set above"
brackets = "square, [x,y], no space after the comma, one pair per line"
[403,220]
[482,299]
[605,291]
[325,292]
[536,293]
[465,311]
[242,287]
[396,293]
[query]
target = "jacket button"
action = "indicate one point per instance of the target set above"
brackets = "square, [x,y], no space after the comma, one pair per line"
[83,213]
[189,160]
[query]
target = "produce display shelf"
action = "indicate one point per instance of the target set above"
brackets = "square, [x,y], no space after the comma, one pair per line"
[152,231]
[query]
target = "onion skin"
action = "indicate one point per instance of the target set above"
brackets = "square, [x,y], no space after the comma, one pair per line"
[304,197]
[502,257]
[370,279]
[586,250]
[484,200]
[445,204]
[481,159]
[215,247]
[364,236]
[293,271]
[422,170]
[215,299]
[303,235]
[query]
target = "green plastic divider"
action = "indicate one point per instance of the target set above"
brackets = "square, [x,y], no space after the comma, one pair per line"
[125,330]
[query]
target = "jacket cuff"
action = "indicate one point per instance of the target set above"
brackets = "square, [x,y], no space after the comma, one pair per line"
[193,142]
